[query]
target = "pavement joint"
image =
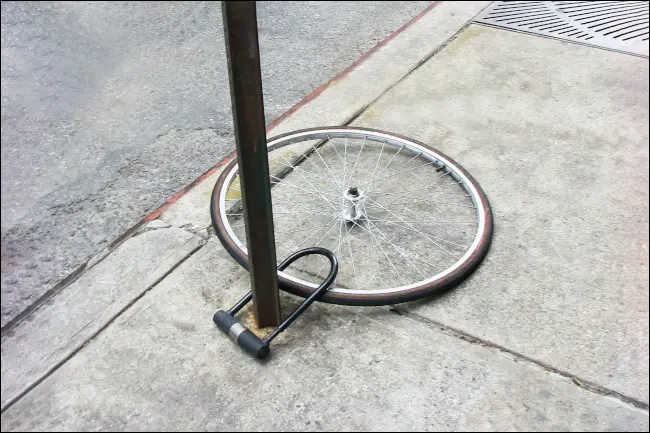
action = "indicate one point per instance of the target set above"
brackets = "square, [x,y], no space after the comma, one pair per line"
[106,325]
[518,357]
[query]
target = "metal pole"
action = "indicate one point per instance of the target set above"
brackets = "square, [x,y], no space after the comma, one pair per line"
[242,48]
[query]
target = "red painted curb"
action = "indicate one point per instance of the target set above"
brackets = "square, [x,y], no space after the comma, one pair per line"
[156,213]
[349,69]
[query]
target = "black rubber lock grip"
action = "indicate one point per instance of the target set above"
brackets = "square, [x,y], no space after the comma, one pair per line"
[241,335]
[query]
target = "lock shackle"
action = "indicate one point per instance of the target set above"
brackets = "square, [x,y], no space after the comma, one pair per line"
[244,337]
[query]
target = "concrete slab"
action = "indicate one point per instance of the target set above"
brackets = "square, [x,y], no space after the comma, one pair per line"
[165,367]
[62,326]
[557,135]
[346,96]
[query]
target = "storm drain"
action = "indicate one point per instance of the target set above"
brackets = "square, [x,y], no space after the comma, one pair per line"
[615,25]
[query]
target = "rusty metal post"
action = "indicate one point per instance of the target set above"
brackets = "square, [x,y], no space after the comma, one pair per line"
[242,48]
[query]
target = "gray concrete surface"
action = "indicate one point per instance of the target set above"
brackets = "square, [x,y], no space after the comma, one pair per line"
[61,327]
[334,370]
[557,135]
[109,109]
[436,365]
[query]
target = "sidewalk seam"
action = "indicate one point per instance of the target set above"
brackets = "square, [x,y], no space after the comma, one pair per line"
[72,277]
[518,357]
[91,337]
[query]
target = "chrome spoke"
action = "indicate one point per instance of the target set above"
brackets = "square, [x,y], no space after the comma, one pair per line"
[354,269]
[295,212]
[320,193]
[298,224]
[396,249]
[385,254]
[327,168]
[428,200]
[310,236]
[355,163]
[374,172]
[338,246]
[402,220]
[405,170]
[428,222]
[311,191]
[374,247]
[416,257]
[303,177]
[424,234]
[370,187]
[289,165]
[391,160]
[331,142]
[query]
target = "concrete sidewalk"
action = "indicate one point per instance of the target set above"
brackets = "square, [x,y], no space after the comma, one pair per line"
[550,333]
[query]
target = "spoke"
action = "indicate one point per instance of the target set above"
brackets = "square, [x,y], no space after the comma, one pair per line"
[385,254]
[426,185]
[353,267]
[345,164]
[444,185]
[326,233]
[303,177]
[321,239]
[304,171]
[391,160]
[374,172]
[424,234]
[397,249]
[338,246]
[370,187]
[415,257]
[443,222]
[295,230]
[311,235]
[311,161]
[298,224]
[407,169]
[379,269]
[429,200]
[425,222]
[285,182]
[306,192]
[274,213]
[340,225]
[313,190]
[337,152]
[328,168]
[355,162]
[340,231]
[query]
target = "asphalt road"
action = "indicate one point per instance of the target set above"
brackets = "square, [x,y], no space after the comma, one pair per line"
[109,108]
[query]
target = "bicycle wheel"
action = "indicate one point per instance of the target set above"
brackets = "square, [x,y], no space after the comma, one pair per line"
[405,220]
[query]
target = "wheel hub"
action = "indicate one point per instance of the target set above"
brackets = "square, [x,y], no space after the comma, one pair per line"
[352,204]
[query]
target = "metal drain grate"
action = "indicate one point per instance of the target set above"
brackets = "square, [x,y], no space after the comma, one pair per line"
[615,25]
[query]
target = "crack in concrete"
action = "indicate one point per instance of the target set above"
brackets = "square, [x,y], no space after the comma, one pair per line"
[518,357]
[108,323]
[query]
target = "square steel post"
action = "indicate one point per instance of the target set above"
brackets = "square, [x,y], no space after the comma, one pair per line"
[242,48]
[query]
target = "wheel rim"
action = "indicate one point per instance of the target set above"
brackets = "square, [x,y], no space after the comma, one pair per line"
[400,156]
